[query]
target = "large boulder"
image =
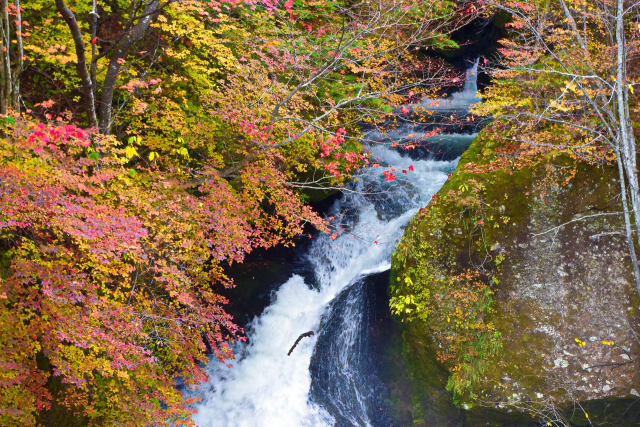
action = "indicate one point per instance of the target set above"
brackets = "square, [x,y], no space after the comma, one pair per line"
[518,277]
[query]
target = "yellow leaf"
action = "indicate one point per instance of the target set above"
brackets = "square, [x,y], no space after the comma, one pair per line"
[130,151]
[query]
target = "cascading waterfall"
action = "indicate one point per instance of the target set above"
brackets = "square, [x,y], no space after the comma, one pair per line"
[265,387]
[459,100]
[345,378]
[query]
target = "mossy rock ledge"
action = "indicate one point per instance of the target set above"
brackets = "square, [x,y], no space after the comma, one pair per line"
[519,280]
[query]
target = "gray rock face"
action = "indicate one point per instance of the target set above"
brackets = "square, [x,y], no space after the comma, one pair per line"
[566,304]
[548,239]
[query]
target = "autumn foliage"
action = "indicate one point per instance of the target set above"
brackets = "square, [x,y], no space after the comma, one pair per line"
[111,274]
[147,146]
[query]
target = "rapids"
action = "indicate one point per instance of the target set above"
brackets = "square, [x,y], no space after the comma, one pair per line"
[328,379]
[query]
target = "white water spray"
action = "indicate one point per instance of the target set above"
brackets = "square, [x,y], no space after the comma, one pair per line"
[459,100]
[265,387]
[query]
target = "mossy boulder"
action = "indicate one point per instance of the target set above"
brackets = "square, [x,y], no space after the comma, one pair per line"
[518,277]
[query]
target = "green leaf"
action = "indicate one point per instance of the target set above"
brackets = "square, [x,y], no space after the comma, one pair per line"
[132,173]
[9,120]
[94,155]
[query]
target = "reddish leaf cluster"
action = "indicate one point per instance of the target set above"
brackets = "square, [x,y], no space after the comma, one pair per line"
[111,278]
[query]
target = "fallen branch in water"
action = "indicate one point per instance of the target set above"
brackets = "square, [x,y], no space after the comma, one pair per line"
[306,334]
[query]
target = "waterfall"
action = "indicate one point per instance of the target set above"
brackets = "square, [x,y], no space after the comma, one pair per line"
[458,101]
[265,387]
[345,372]
[470,88]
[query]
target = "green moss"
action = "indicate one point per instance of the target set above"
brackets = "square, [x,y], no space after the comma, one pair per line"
[431,404]
[443,269]
[558,204]
[448,266]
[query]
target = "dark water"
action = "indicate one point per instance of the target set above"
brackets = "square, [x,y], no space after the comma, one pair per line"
[345,366]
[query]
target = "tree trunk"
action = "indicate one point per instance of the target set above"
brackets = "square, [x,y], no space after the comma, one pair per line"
[626,138]
[93,25]
[5,27]
[626,141]
[15,99]
[627,222]
[87,87]
[133,35]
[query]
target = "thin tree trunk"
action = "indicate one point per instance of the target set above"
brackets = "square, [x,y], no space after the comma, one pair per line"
[627,222]
[626,137]
[3,79]
[93,17]
[81,66]
[6,56]
[20,59]
[108,87]
[121,51]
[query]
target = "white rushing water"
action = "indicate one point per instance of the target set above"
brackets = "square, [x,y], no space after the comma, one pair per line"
[265,387]
[268,388]
[461,100]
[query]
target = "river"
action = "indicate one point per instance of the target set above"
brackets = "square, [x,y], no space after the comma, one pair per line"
[330,377]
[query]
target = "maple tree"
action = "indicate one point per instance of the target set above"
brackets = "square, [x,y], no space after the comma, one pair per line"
[148,145]
[114,271]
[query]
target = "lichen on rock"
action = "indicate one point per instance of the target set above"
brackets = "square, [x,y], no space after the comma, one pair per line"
[520,279]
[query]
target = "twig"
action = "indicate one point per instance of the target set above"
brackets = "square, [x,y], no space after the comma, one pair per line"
[575,220]
[306,334]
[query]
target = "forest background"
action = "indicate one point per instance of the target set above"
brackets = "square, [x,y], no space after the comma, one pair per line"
[148,145]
